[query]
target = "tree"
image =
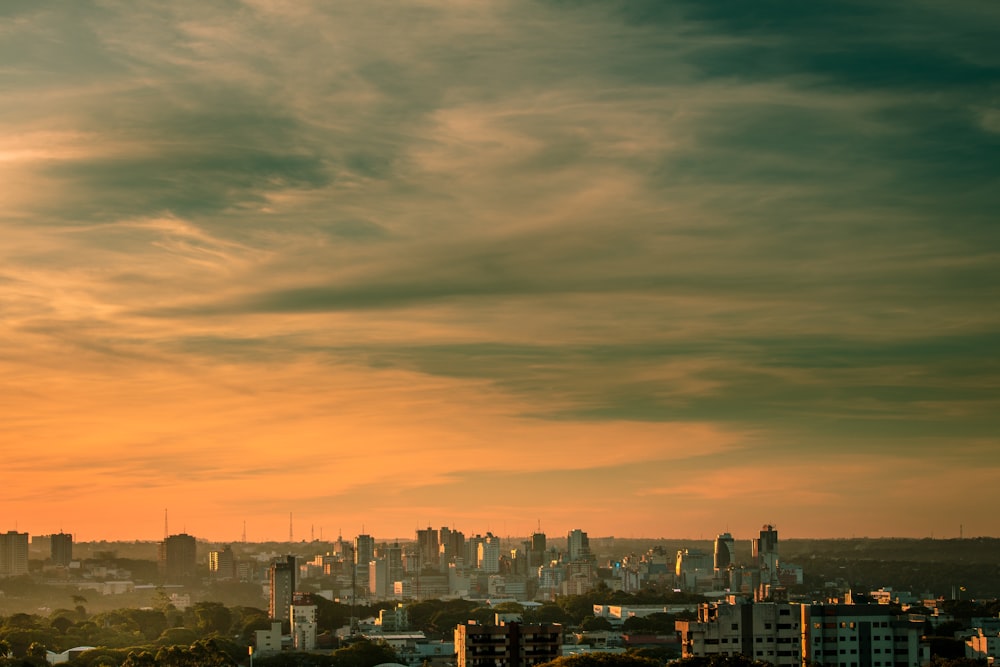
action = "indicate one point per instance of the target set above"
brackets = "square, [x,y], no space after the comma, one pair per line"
[364,653]
[602,660]
[595,624]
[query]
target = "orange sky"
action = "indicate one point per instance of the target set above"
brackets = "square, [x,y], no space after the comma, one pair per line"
[649,269]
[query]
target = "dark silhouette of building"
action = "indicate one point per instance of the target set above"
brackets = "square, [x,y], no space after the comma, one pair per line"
[178,557]
[61,549]
[509,643]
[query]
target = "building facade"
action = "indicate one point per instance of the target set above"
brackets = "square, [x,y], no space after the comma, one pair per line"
[61,549]
[13,554]
[788,634]
[178,557]
[509,643]
[281,576]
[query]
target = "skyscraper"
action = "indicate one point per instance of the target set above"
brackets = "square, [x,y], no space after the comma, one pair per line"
[765,554]
[13,554]
[427,543]
[178,557]
[282,580]
[578,545]
[364,553]
[222,564]
[725,551]
[61,549]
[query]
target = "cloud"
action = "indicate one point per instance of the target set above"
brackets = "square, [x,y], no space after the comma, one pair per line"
[428,232]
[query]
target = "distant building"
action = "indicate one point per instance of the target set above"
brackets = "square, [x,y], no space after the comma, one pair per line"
[488,554]
[222,564]
[725,551]
[693,570]
[509,643]
[13,554]
[303,622]
[178,557]
[268,641]
[61,549]
[282,580]
[765,554]
[428,548]
[578,545]
[364,553]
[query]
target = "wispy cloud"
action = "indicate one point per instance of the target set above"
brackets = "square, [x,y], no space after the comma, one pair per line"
[444,237]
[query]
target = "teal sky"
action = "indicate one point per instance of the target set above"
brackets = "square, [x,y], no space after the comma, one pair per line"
[647,268]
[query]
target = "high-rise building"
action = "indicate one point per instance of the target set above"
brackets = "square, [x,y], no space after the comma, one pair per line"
[765,554]
[13,554]
[282,586]
[578,545]
[178,557]
[536,553]
[725,551]
[61,549]
[303,616]
[509,643]
[427,545]
[222,564]
[364,553]
[488,554]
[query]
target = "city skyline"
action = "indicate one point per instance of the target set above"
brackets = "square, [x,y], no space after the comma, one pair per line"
[653,269]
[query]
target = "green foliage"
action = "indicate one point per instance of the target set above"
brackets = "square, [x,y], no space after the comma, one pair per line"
[364,653]
[595,623]
[602,660]
[719,661]
[661,623]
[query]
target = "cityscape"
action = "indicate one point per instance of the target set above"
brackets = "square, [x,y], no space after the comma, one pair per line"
[499,333]
[446,598]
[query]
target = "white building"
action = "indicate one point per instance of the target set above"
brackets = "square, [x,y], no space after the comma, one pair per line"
[303,619]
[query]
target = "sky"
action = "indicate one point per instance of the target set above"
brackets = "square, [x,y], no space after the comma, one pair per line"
[648,268]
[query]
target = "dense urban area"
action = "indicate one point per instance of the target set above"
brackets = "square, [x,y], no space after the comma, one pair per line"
[445,598]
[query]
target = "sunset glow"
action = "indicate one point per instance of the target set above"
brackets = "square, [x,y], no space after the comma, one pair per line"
[646,269]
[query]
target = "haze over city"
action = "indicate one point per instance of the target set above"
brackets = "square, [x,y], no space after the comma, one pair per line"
[651,268]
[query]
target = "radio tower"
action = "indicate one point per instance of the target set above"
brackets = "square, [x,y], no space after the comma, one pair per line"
[244,531]
[166,530]
[290,537]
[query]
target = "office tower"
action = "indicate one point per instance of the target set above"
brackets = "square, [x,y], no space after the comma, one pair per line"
[222,564]
[394,564]
[578,545]
[457,539]
[282,579]
[446,548]
[427,545]
[364,552]
[725,551]
[488,554]
[765,554]
[537,548]
[61,547]
[508,643]
[13,554]
[178,557]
